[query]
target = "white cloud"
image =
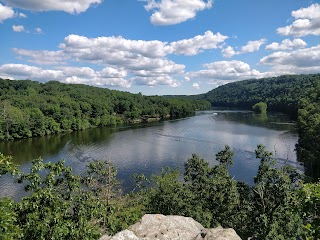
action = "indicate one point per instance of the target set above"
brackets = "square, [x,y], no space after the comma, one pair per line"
[227,70]
[187,79]
[106,77]
[287,44]
[80,72]
[301,58]
[84,75]
[42,57]
[169,12]
[18,28]
[74,6]
[307,22]
[228,52]
[20,71]
[299,61]
[110,72]
[194,45]
[157,80]
[145,60]
[38,30]
[117,44]
[251,46]
[101,82]
[5,13]
[142,62]
[196,86]
[22,15]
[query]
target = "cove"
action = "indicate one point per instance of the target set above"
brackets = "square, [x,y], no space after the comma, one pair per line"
[147,148]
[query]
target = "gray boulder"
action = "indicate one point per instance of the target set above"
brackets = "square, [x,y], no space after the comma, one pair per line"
[157,226]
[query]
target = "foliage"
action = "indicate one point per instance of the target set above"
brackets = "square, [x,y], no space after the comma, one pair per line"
[62,205]
[7,165]
[209,195]
[273,203]
[58,208]
[309,196]
[308,147]
[9,229]
[29,109]
[260,107]
[281,93]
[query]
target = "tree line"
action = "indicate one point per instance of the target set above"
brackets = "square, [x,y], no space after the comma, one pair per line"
[31,109]
[63,205]
[281,94]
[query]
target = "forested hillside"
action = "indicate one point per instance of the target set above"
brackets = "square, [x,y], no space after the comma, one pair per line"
[308,148]
[29,108]
[280,93]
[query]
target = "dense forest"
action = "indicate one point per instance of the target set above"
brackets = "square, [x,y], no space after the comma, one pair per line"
[308,147]
[29,109]
[63,205]
[282,94]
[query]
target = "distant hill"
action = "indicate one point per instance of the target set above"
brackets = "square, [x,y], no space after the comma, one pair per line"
[280,93]
[30,109]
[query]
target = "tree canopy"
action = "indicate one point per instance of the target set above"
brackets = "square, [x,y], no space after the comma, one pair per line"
[281,93]
[30,109]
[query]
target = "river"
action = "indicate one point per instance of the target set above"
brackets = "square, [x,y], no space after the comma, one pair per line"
[147,148]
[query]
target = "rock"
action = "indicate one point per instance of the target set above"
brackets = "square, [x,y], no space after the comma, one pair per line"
[159,227]
[218,233]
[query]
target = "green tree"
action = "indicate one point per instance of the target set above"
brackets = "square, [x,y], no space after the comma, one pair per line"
[57,207]
[273,202]
[9,227]
[260,107]
[309,199]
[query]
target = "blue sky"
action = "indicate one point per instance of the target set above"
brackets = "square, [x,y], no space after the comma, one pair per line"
[158,46]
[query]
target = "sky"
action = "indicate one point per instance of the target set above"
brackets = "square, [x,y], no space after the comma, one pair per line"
[158,47]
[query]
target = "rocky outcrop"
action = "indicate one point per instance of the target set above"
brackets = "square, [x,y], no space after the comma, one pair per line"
[157,226]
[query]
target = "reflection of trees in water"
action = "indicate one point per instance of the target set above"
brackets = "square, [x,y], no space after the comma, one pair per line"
[28,149]
[274,121]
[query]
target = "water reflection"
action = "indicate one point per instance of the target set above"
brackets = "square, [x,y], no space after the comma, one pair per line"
[148,148]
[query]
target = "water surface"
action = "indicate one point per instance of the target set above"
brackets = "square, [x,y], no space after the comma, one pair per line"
[147,148]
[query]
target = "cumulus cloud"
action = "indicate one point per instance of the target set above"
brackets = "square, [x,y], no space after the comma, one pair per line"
[126,47]
[300,57]
[74,6]
[5,13]
[157,80]
[145,60]
[38,30]
[22,15]
[22,71]
[227,70]
[18,28]
[42,57]
[287,44]
[187,79]
[251,46]
[198,43]
[80,75]
[307,22]
[142,62]
[169,12]
[196,86]
[295,62]
[228,52]
[106,77]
